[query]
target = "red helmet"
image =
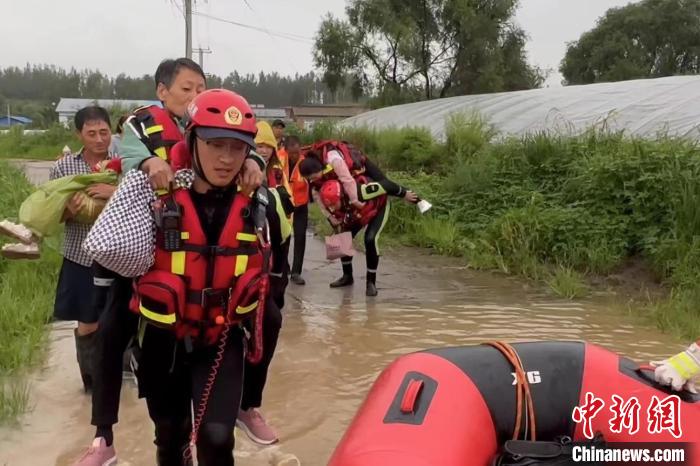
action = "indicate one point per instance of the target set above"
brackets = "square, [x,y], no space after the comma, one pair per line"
[331,193]
[220,113]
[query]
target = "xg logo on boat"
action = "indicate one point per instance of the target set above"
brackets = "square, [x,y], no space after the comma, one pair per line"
[533,377]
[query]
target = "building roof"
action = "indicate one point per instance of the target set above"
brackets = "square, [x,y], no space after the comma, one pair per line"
[642,108]
[335,111]
[263,113]
[69,105]
[17,118]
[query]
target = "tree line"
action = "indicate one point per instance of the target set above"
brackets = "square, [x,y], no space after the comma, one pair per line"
[49,83]
[407,50]
[34,90]
[386,52]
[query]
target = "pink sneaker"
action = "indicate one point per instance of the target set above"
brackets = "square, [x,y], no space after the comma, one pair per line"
[99,454]
[255,426]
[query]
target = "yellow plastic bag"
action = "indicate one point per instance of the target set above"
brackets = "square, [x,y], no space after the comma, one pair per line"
[42,211]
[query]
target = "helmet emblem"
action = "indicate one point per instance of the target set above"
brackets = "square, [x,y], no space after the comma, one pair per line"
[233,116]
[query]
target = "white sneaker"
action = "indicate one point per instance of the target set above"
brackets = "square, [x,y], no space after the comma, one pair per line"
[20,251]
[17,231]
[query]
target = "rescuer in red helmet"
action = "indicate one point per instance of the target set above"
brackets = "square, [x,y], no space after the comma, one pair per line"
[208,287]
[371,214]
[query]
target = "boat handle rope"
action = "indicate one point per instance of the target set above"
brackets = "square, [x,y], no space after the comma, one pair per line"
[522,391]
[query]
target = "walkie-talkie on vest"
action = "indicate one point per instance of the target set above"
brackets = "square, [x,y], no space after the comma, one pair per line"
[260,213]
[169,220]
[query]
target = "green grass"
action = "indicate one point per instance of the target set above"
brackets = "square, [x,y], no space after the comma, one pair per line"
[14,399]
[567,283]
[556,209]
[47,146]
[27,291]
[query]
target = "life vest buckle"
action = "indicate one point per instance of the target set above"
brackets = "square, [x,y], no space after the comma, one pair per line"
[215,297]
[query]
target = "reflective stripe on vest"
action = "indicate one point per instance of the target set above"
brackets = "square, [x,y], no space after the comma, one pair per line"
[177,262]
[242,261]
[285,224]
[166,319]
[246,309]
[162,153]
[154,129]
[177,259]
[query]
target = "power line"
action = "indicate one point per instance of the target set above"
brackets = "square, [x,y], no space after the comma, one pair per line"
[283,35]
[267,31]
[201,52]
[176,3]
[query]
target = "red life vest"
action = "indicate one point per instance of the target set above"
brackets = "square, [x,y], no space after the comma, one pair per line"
[352,216]
[198,288]
[352,156]
[160,128]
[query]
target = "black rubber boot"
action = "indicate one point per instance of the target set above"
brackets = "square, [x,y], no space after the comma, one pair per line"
[371,289]
[371,284]
[345,280]
[84,349]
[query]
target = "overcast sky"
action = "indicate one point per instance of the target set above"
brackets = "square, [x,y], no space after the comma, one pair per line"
[132,36]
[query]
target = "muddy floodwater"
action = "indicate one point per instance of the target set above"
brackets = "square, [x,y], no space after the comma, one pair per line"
[332,346]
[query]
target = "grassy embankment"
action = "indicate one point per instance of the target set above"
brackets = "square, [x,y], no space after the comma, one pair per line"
[46,146]
[26,301]
[560,210]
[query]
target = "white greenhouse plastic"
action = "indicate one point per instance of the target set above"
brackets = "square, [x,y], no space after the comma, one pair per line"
[643,108]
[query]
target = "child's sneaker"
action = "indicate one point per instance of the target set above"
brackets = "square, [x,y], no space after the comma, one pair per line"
[99,454]
[20,251]
[255,426]
[17,231]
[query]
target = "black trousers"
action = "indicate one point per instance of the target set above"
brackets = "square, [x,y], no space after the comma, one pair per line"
[256,375]
[301,221]
[173,382]
[117,326]
[372,231]
[279,275]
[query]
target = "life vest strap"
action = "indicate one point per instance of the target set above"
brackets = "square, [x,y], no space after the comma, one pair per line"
[212,251]
[209,297]
[152,136]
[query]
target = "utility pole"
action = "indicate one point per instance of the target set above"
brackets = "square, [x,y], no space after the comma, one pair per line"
[9,120]
[188,28]
[201,52]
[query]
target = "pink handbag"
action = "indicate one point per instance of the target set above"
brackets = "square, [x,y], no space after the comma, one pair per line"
[339,245]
